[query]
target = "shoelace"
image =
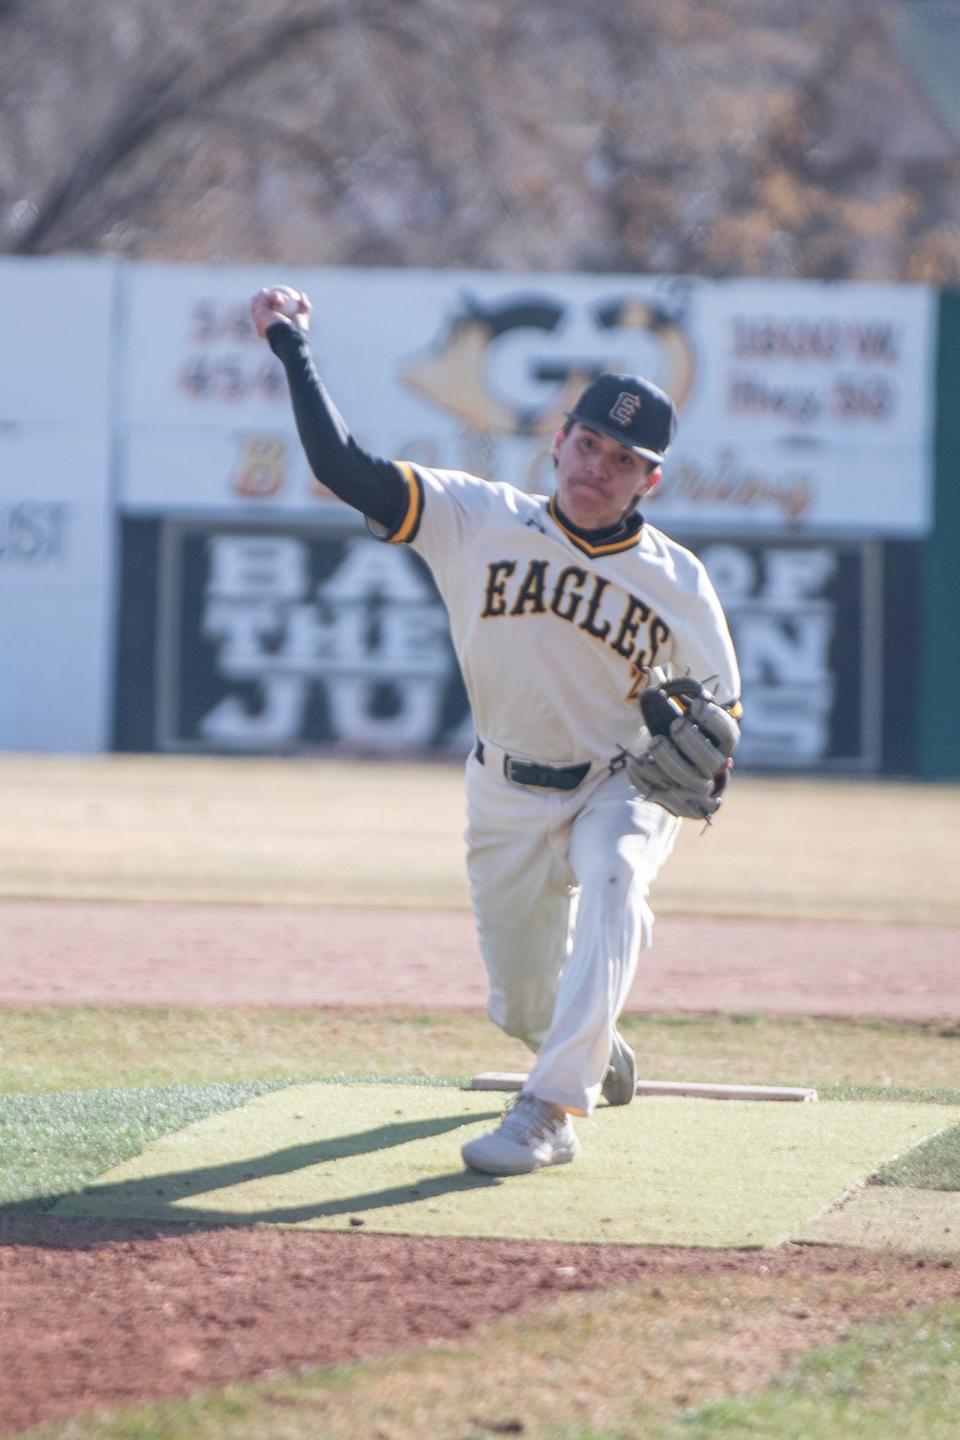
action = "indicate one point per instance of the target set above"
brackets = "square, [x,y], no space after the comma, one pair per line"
[527,1116]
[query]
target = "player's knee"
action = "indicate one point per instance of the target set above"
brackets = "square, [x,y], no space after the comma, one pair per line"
[517,1020]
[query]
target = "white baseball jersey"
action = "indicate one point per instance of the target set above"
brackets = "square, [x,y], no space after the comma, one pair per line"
[556,636]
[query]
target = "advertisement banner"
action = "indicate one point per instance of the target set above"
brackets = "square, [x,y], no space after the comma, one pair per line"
[803,461]
[804,407]
[279,638]
[807,623]
[282,638]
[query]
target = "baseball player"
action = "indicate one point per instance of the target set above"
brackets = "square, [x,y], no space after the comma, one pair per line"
[568,615]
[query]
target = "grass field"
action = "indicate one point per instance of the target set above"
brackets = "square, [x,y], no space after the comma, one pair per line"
[872,1353]
[67,1048]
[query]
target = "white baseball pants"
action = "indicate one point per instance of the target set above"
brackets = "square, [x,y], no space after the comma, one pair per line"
[559,883]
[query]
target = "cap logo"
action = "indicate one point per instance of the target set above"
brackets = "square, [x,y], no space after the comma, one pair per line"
[626,406]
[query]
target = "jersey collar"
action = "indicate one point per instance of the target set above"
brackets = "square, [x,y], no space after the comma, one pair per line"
[609,541]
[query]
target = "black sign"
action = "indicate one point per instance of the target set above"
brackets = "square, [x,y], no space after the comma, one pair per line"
[279,638]
[276,638]
[806,620]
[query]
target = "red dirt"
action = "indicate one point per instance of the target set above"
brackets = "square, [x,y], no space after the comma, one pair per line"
[94,1314]
[97,1314]
[74,953]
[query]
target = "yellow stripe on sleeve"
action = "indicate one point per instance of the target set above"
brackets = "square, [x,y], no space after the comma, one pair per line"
[408,525]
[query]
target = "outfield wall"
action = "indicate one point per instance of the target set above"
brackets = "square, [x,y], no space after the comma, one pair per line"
[172,577]
[57,511]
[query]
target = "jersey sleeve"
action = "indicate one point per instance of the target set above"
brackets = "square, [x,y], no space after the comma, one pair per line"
[704,645]
[443,513]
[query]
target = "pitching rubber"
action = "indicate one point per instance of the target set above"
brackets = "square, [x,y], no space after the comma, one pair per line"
[513,1080]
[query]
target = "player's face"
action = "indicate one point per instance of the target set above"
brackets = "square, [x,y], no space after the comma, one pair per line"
[598,478]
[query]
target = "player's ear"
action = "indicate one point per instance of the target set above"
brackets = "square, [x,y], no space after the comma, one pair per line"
[558,440]
[650,481]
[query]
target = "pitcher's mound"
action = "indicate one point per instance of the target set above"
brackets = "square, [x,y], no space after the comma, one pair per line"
[387,1157]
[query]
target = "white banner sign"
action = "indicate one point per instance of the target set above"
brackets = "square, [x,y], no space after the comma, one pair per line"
[56,503]
[58,320]
[803,406]
[56,574]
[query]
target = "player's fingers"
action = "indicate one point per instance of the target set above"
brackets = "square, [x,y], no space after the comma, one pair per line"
[264,304]
[278,297]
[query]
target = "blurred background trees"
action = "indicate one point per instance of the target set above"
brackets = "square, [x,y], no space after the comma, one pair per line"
[813,138]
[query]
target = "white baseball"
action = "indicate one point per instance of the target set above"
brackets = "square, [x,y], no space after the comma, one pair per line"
[291,302]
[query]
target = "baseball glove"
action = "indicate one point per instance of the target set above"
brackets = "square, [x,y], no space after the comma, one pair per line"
[685,759]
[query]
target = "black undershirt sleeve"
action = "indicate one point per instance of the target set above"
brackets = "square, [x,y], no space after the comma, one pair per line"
[375,487]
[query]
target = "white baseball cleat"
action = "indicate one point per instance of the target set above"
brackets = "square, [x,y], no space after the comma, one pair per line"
[620,1081]
[532,1133]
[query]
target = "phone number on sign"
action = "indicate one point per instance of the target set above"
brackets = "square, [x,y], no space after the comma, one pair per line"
[232,378]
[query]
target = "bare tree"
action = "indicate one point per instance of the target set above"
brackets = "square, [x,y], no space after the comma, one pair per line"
[111,90]
[766,137]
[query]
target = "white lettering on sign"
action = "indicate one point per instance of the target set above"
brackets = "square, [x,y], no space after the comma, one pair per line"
[372,638]
[783,625]
[248,567]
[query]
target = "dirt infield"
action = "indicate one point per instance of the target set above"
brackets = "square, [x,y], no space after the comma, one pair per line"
[95,1315]
[92,1315]
[84,953]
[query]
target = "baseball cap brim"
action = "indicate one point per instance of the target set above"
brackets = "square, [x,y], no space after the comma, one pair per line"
[617,435]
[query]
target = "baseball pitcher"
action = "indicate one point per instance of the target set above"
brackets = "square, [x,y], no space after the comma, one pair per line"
[605,695]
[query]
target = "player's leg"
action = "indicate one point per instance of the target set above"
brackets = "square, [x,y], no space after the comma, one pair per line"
[520,890]
[520,887]
[617,844]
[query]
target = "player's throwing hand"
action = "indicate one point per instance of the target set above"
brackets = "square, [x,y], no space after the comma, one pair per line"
[280,303]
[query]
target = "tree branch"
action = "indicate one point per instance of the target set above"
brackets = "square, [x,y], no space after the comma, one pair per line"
[164,98]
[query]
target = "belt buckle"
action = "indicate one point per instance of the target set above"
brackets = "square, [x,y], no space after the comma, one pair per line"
[509,767]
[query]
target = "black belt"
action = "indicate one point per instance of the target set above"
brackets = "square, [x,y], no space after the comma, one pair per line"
[528,772]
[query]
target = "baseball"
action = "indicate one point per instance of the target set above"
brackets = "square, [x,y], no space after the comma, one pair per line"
[291,301]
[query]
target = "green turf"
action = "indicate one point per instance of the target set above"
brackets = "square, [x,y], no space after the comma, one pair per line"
[890,1094]
[51,1145]
[935,1165]
[80,1048]
[680,1172]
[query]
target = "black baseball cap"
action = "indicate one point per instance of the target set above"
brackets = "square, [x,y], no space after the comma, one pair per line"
[630,409]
